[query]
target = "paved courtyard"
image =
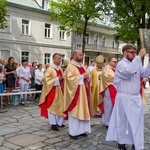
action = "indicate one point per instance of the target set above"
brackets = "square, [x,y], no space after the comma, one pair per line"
[22,128]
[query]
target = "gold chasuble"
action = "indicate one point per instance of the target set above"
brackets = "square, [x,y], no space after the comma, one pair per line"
[95,88]
[106,80]
[76,97]
[51,99]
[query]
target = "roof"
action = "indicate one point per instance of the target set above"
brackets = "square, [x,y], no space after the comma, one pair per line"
[30,5]
[33,6]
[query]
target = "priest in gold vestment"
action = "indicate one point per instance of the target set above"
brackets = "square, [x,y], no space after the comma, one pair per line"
[51,100]
[94,83]
[77,97]
[107,90]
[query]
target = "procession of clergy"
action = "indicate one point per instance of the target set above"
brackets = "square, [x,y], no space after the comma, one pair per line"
[109,89]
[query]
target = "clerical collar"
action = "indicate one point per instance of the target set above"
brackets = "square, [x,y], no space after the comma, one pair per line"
[56,67]
[78,64]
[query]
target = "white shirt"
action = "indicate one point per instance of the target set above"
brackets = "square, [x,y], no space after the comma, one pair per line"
[1,77]
[39,75]
[127,75]
[24,72]
[90,68]
[56,82]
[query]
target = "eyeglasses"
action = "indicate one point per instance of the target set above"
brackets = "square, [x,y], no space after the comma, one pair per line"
[133,53]
[115,61]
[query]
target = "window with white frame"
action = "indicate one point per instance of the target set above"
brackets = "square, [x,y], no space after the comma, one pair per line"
[62,35]
[95,41]
[48,31]
[87,38]
[113,44]
[25,27]
[47,58]
[62,58]
[103,40]
[25,56]
[79,46]
[7,29]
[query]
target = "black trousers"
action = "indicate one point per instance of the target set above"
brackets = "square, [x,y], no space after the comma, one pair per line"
[38,88]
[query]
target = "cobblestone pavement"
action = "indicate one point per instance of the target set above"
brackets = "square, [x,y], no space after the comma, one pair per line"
[22,128]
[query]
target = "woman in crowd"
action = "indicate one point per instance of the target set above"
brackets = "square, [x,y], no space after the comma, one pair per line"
[10,72]
[25,76]
[2,78]
[34,67]
[39,78]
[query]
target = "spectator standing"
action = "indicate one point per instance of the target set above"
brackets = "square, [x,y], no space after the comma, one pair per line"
[39,78]
[34,67]
[25,76]
[2,78]
[10,72]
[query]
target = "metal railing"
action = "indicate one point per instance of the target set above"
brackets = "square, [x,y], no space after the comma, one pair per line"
[16,93]
[99,48]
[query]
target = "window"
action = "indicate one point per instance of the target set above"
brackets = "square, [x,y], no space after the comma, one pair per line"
[103,40]
[87,38]
[25,27]
[25,56]
[62,35]
[47,58]
[48,33]
[45,5]
[79,46]
[113,44]
[7,29]
[95,41]
[62,57]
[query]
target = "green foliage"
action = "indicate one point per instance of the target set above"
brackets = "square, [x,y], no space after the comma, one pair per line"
[129,16]
[76,15]
[3,13]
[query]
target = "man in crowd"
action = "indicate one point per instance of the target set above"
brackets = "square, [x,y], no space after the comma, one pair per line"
[127,120]
[76,97]
[94,83]
[92,66]
[51,101]
[107,90]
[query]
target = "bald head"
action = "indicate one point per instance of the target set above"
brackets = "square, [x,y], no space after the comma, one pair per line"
[77,55]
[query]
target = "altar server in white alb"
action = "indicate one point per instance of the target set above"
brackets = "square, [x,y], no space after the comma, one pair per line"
[127,120]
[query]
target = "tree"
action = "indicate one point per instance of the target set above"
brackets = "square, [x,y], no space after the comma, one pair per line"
[76,15]
[129,16]
[3,13]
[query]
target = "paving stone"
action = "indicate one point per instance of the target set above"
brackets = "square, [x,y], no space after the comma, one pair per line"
[1,140]
[36,146]
[25,139]
[12,146]
[5,131]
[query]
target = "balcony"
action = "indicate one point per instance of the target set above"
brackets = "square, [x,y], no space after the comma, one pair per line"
[99,48]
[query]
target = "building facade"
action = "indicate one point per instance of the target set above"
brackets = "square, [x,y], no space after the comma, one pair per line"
[31,35]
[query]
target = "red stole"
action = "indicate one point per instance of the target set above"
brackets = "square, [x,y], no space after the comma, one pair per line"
[50,97]
[76,96]
[113,93]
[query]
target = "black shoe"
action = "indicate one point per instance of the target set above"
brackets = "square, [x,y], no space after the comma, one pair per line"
[84,135]
[106,127]
[133,147]
[73,137]
[122,147]
[54,128]
[61,126]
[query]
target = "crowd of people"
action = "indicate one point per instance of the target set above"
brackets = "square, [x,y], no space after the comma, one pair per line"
[23,76]
[109,89]
[113,90]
